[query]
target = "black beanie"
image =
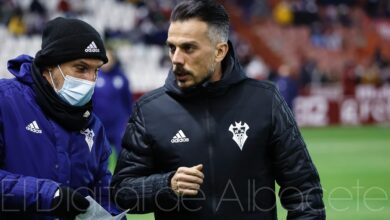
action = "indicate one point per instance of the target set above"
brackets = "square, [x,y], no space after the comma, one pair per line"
[67,39]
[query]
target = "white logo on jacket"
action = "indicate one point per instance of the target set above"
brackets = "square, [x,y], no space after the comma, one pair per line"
[239,133]
[180,137]
[89,134]
[33,127]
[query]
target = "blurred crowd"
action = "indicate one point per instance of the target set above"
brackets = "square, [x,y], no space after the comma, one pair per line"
[336,27]
[327,22]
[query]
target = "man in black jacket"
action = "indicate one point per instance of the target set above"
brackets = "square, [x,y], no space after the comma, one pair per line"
[211,142]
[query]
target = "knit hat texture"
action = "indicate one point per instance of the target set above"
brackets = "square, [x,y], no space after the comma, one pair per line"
[67,39]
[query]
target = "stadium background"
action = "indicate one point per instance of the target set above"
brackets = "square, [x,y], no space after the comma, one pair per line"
[329,58]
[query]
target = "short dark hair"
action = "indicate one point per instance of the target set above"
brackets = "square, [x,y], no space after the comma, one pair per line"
[209,11]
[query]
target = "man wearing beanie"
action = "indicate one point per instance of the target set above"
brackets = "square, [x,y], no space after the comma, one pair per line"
[53,149]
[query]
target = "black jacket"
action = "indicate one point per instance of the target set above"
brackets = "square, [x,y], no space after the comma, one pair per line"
[171,128]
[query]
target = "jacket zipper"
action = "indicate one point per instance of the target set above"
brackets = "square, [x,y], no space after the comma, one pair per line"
[209,131]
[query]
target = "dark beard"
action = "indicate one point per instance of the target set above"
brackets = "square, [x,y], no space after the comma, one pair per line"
[179,70]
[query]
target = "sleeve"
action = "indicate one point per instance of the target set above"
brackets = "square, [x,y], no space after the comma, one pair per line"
[101,187]
[136,183]
[300,189]
[23,193]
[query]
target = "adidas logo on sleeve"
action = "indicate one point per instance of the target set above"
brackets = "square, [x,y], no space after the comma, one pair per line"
[92,48]
[180,137]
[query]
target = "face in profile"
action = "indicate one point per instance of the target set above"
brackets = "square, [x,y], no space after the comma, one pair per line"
[85,69]
[191,51]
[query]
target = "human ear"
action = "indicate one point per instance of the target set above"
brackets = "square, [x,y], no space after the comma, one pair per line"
[221,51]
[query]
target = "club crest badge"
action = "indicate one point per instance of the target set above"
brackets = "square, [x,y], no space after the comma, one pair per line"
[239,133]
[89,134]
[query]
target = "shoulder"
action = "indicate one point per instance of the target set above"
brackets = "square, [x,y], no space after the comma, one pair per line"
[268,89]
[264,86]
[11,87]
[151,96]
[8,84]
[261,84]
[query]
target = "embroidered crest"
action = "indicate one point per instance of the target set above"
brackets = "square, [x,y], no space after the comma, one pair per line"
[239,133]
[89,134]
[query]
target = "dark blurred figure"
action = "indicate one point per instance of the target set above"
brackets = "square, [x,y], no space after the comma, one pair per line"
[112,99]
[37,7]
[6,10]
[305,12]
[16,24]
[372,8]
[308,74]
[287,85]
[36,17]
[247,9]
[349,78]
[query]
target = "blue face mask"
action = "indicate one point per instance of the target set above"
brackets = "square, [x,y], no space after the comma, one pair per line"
[75,91]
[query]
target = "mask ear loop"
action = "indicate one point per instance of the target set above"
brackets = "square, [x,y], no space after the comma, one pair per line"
[52,82]
[63,75]
[96,75]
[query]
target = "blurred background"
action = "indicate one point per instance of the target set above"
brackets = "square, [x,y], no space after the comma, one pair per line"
[329,58]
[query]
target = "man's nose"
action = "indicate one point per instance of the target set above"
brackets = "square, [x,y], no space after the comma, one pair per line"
[91,75]
[177,58]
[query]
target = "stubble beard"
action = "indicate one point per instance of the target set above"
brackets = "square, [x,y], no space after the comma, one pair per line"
[179,70]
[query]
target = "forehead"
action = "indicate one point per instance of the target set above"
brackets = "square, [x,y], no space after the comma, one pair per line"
[188,30]
[85,61]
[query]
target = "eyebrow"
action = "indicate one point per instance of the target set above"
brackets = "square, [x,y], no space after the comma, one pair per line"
[82,62]
[182,44]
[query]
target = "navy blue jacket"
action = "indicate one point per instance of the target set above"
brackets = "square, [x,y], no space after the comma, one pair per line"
[243,133]
[37,155]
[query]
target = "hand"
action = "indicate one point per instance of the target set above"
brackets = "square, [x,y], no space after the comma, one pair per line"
[187,180]
[69,203]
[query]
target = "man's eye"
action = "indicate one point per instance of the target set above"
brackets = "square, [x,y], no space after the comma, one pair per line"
[172,49]
[82,69]
[188,49]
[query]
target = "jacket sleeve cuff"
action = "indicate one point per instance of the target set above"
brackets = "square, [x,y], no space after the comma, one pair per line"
[47,193]
[165,187]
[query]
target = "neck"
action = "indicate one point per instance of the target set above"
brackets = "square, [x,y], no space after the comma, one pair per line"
[217,75]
